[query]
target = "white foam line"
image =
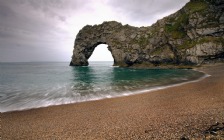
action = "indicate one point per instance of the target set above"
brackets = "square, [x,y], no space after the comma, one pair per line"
[115,96]
[169,86]
[148,90]
[155,88]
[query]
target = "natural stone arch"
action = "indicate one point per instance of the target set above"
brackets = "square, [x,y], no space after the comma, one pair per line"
[128,45]
[91,36]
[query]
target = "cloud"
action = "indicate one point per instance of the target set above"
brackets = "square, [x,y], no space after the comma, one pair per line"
[5,11]
[37,16]
[48,27]
[28,24]
[146,11]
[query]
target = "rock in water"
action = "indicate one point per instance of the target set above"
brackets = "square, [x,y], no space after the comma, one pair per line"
[194,35]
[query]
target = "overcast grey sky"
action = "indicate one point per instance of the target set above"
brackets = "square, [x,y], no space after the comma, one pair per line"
[45,30]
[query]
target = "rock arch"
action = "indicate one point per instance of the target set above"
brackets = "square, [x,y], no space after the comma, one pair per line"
[90,37]
[128,45]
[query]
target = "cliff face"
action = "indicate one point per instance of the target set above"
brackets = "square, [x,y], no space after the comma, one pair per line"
[192,36]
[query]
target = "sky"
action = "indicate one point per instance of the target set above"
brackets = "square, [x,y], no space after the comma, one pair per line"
[45,30]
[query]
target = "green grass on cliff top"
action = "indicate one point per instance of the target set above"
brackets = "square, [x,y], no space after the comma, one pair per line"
[176,28]
[196,6]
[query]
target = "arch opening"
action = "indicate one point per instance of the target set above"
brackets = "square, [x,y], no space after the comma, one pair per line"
[101,53]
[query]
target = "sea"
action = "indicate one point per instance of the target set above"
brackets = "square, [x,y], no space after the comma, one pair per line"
[39,84]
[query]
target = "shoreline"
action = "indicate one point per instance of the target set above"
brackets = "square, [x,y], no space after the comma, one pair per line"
[169,113]
[122,94]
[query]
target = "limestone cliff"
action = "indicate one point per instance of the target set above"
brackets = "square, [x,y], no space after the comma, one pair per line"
[194,35]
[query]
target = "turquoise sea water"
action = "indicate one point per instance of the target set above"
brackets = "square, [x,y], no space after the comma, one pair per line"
[33,85]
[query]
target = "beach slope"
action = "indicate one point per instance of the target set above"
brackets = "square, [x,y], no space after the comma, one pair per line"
[172,113]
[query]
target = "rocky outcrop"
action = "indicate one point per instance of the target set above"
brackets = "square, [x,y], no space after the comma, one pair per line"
[192,36]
